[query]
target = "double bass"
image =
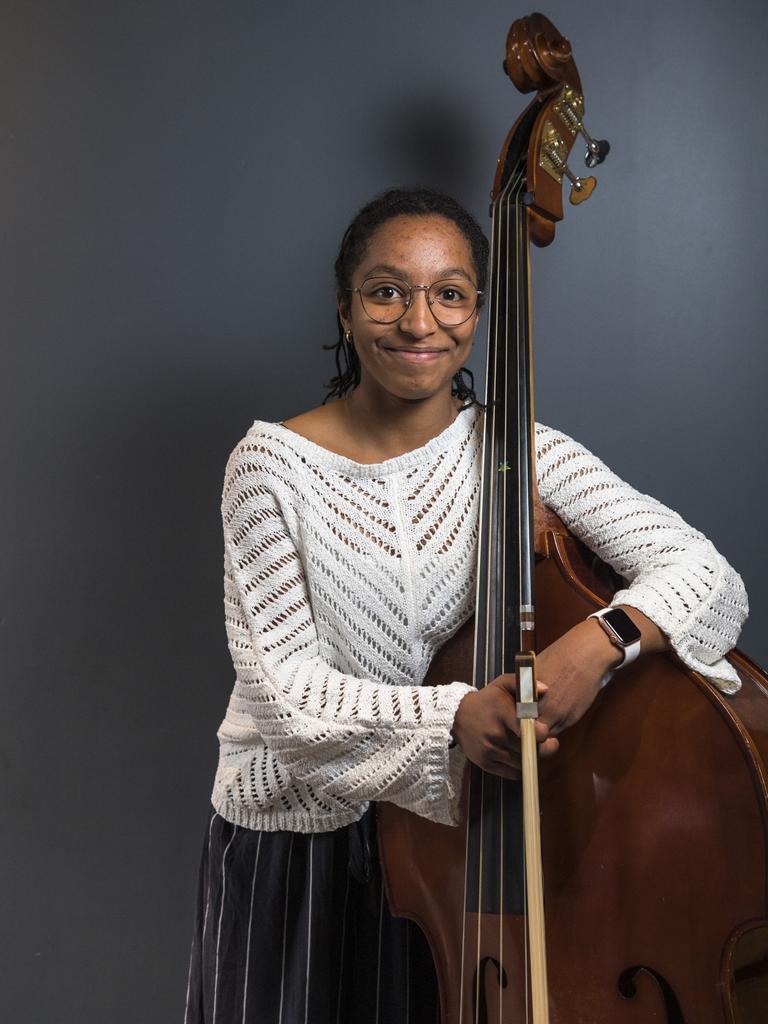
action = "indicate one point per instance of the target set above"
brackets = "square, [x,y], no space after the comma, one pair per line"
[626,878]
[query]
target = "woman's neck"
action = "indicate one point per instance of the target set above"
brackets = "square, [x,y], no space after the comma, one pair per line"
[384,426]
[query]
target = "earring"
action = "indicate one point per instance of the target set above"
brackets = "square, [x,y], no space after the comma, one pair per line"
[348,337]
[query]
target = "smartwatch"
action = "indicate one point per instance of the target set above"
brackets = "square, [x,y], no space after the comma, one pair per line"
[622,632]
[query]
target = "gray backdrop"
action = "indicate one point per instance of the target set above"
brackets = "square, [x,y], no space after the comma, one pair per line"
[175,178]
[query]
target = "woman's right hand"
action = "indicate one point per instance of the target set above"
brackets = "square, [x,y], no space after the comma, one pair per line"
[487,730]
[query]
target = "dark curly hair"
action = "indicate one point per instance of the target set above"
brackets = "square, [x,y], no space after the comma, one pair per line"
[398,202]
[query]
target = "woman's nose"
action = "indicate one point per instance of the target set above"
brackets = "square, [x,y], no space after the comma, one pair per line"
[417,319]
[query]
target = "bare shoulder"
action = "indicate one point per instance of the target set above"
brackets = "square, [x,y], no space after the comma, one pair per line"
[321,425]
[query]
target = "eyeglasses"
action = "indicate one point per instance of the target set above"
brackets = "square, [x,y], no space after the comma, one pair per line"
[386,299]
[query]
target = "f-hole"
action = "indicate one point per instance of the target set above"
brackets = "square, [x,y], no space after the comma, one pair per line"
[628,989]
[501,979]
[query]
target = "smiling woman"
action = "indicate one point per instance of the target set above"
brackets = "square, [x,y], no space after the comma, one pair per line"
[412,339]
[410,278]
[350,540]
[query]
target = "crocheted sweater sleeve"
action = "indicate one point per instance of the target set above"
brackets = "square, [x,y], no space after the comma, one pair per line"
[676,576]
[343,740]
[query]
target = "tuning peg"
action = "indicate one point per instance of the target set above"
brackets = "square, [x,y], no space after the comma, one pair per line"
[570,107]
[581,188]
[553,160]
[597,149]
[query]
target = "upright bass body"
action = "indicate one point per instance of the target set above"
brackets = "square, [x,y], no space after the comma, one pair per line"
[654,811]
[655,848]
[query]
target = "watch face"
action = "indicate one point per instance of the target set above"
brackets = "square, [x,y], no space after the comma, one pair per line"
[624,628]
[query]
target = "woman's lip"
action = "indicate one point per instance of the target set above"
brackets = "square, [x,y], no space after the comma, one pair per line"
[422,355]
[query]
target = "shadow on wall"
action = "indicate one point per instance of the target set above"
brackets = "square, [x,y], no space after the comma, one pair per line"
[433,138]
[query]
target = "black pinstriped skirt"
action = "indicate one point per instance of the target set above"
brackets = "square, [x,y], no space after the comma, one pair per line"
[295,929]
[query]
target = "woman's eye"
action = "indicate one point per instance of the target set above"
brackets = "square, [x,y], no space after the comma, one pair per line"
[384,292]
[450,294]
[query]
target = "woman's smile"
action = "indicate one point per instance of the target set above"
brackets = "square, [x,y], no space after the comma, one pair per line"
[414,355]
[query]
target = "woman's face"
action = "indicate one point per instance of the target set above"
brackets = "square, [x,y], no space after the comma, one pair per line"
[415,357]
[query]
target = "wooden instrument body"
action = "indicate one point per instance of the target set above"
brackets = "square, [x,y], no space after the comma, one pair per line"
[654,836]
[654,811]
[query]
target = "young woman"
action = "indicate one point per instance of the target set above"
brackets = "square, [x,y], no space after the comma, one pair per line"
[349,559]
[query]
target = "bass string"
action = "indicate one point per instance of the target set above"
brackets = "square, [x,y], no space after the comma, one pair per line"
[483,600]
[488,523]
[520,456]
[499,470]
[521,327]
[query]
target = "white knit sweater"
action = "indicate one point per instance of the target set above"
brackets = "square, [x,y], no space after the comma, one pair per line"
[342,579]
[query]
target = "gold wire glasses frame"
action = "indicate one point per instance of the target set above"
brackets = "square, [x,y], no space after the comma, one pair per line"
[387,299]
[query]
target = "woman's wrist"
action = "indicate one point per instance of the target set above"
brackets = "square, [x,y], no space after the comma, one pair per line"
[652,639]
[604,655]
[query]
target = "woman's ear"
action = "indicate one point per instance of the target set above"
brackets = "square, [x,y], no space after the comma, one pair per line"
[342,306]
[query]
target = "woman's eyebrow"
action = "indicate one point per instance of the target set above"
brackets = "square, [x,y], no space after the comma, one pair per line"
[387,268]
